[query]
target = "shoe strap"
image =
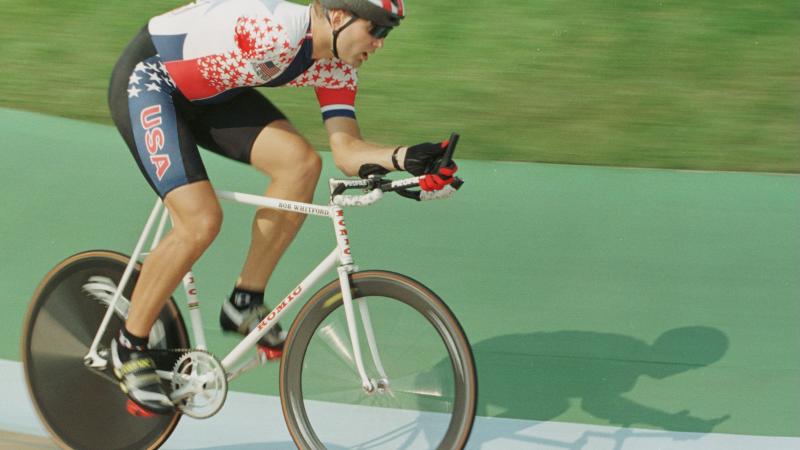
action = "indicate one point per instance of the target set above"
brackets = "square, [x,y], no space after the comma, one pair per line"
[137,365]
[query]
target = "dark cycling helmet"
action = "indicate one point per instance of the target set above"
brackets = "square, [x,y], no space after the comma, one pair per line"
[385,13]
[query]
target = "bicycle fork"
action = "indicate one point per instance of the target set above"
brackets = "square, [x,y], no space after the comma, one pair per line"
[347,299]
[345,269]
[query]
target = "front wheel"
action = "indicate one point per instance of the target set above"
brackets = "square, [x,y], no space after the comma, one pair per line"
[428,396]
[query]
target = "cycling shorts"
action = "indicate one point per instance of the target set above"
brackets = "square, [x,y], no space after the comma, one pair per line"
[163,129]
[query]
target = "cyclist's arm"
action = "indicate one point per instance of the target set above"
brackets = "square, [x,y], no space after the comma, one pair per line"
[350,151]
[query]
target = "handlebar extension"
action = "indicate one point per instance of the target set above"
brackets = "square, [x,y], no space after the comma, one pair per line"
[377,185]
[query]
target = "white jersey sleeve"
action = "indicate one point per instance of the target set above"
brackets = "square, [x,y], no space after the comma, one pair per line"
[211,48]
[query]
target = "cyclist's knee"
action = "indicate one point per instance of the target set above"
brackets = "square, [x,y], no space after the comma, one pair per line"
[200,230]
[306,167]
[196,214]
[297,161]
[309,167]
[304,171]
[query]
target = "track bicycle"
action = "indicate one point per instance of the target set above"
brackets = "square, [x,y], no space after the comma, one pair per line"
[399,374]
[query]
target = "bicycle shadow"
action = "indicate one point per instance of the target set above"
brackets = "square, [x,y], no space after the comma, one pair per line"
[539,376]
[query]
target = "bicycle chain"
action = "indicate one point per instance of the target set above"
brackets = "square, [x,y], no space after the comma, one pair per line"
[184,351]
[178,354]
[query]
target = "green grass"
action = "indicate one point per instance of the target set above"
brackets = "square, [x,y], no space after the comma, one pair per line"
[706,84]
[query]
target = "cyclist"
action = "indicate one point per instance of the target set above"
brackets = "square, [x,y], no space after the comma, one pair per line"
[187,80]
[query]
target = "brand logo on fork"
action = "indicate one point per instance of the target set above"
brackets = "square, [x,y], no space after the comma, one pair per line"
[342,228]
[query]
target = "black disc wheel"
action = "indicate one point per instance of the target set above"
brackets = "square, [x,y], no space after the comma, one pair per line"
[423,370]
[82,407]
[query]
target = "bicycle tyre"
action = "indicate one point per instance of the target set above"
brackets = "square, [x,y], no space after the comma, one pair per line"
[84,408]
[393,288]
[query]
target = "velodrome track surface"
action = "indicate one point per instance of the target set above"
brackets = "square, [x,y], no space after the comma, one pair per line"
[254,422]
[564,278]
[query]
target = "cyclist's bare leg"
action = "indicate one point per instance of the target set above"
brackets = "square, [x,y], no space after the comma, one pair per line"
[197,218]
[294,168]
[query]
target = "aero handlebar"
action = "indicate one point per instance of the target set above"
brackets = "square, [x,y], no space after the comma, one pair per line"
[376,185]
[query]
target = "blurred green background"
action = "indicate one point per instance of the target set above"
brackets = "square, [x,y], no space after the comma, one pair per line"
[701,84]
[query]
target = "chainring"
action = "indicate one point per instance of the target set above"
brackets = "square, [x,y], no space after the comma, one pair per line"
[199,383]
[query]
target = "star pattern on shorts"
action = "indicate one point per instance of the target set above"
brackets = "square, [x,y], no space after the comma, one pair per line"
[149,76]
[134,79]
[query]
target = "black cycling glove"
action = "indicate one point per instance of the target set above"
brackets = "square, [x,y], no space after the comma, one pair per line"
[423,158]
[371,169]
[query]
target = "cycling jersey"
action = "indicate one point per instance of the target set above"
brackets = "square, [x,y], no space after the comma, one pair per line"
[213,48]
[188,79]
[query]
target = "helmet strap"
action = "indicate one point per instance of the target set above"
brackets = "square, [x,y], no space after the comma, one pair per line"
[337,31]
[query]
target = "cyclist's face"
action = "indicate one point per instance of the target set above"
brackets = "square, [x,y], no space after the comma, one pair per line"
[356,44]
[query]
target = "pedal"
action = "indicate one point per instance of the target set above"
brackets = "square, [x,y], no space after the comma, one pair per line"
[137,411]
[270,353]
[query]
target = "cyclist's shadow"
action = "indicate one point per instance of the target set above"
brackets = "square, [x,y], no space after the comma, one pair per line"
[539,376]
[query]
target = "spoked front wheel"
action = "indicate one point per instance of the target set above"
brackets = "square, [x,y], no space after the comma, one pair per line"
[82,407]
[423,370]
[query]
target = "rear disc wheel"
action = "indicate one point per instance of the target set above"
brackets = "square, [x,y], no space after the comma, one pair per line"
[84,408]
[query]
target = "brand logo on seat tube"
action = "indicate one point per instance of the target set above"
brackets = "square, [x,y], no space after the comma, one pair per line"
[154,140]
[191,289]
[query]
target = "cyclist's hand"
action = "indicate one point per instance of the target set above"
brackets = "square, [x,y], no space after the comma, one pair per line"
[423,158]
[438,180]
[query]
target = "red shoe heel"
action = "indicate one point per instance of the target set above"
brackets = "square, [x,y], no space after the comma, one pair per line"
[136,410]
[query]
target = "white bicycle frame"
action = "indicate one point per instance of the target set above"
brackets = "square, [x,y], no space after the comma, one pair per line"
[341,256]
